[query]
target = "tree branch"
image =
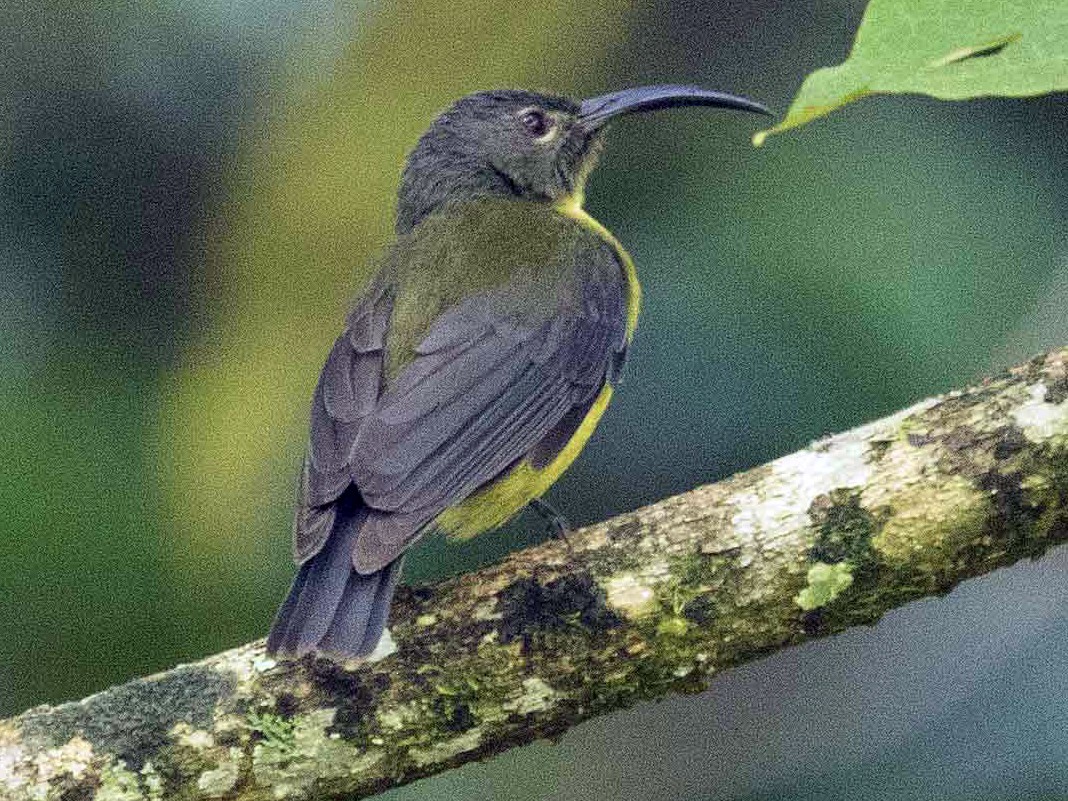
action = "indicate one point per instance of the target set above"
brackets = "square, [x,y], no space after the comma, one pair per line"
[653,602]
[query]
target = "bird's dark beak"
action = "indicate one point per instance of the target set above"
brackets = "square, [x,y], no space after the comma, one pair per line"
[596,111]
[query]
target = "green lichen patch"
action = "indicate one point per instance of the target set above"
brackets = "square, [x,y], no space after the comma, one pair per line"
[291,766]
[929,523]
[825,582]
[842,558]
[273,730]
[675,626]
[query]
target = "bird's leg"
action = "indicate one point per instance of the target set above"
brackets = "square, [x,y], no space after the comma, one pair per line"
[555,522]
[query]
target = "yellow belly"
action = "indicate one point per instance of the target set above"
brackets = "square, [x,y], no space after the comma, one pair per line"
[498,501]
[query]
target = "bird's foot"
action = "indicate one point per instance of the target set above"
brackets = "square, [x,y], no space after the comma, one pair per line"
[555,522]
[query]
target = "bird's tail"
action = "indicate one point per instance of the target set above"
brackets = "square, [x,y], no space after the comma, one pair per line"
[331,608]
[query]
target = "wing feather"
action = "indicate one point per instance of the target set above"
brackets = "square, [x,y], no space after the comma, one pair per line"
[348,390]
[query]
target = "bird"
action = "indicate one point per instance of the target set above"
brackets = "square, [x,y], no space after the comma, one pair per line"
[477,363]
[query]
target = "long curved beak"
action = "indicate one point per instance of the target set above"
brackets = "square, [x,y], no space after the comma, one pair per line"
[596,111]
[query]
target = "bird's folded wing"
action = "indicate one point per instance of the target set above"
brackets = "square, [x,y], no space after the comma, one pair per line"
[482,391]
[349,387]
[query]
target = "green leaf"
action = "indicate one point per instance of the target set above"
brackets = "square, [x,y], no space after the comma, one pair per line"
[949,49]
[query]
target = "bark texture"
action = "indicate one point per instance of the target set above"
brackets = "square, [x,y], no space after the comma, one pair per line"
[653,602]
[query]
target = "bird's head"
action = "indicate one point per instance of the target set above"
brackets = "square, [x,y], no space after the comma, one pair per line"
[517,144]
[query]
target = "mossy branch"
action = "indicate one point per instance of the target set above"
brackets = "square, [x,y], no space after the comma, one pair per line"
[653,602]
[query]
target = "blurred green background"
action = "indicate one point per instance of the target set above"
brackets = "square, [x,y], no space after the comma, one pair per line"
[191,193]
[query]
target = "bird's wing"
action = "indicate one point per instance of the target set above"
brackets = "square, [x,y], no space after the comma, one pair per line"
[348,390]
[483,390]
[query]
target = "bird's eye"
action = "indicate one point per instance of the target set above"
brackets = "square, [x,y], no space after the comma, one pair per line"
[536,122]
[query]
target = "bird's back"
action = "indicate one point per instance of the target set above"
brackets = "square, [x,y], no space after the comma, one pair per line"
[523,262]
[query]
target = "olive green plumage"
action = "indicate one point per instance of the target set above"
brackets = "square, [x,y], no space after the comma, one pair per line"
[479,247]
[477,364]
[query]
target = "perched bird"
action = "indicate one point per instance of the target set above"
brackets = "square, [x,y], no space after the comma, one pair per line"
[478,363]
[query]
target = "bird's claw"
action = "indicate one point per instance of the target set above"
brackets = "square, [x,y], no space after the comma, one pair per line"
[555,523]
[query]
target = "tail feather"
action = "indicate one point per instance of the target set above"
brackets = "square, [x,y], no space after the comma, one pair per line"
[361,616]
[330,607]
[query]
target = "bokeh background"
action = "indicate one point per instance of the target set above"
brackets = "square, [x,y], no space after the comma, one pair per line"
[191,192]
